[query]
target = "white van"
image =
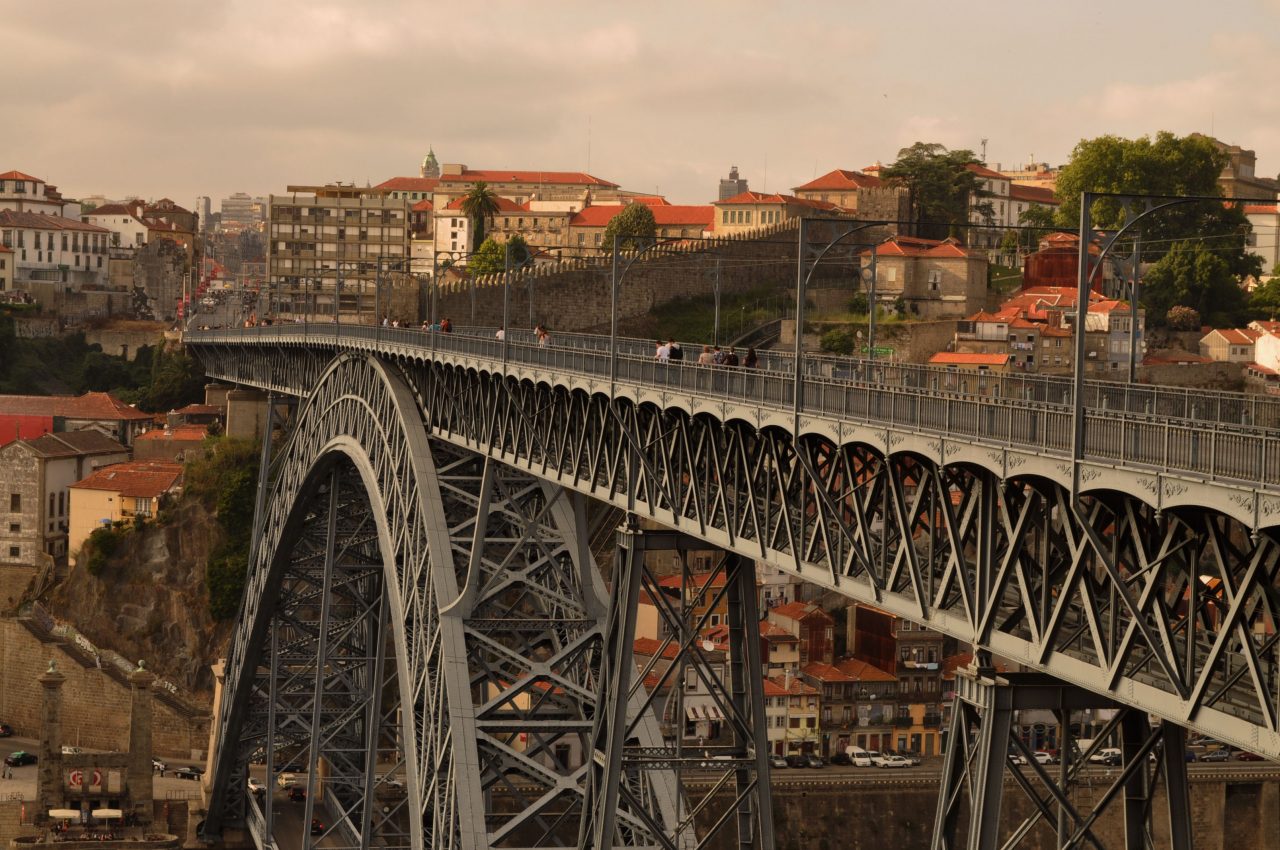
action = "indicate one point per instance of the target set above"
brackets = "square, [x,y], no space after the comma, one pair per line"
[859,756]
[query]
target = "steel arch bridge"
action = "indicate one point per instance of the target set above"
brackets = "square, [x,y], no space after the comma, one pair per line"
[421,603]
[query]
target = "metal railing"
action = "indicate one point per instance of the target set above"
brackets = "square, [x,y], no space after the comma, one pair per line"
[1160,428]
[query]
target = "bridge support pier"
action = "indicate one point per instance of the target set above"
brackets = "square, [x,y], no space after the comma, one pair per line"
[984,752]
[686,674]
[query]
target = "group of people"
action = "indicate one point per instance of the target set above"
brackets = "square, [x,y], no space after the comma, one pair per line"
[443,326]
[712,355]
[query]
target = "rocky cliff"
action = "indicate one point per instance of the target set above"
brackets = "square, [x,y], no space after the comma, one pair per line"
[150,601]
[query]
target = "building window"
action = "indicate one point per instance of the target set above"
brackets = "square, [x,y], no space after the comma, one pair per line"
[15,528]
[15,503]
[15,552]
[142,506]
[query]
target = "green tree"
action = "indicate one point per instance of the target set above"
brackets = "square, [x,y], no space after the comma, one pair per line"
[1264,302]
[1193,275]
[1181,318]
[1009,242]
[176,380]
[1165,165]
[1037,221]
[479,205]
[941,185]
[488,258]
[634,226]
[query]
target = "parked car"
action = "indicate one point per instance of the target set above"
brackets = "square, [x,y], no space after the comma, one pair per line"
[256,786]
[316,826]
[19,757]
[296,794]
[284,780]
[71,751]
[1201,741]
[1043,757]
[910,755]
[797,761]
[1245,755]
[6,731]
[1017,758]
[890,760]
[815,761]
[189,772]
[1107,755]
[841,759]
[861,757]
[1220,754]
[777,761]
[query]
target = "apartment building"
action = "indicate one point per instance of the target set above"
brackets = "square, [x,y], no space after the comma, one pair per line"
[328,246]
[861,196]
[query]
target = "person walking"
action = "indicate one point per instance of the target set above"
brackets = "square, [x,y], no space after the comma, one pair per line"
[501,334]
[675,352]
[750,361]
[717,356]
[730,358]
[662,351]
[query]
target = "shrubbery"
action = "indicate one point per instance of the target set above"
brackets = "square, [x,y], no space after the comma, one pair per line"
[101,544]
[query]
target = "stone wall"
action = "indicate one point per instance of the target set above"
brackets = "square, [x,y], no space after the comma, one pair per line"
[574,295]
[95,707]
[899,814]
[912,342]
[14,579]
[125,338]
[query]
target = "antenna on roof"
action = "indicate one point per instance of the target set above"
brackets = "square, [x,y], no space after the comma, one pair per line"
[588,142]
[984,151]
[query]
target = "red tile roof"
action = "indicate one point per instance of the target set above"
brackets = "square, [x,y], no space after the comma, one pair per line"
[962,659]
[409,184]
[861,671]
[966,358]
[774,632]
[1236,336]
[134,479]
[100,406]
[697,580]
[111,209]
[913,246]
[72,443]
[649,647]
[1033,194]
[1259,209]
[1269,326]
[983,171]
[800,611]
[826,673]
[1262,370]
[750,197]
[505,205]
[664,215]
[780,687]
[501,175]
[199,410]
[650,200]
[4,250]
[40,221]
[840,179]
[18,175]
[178,433]
[424,205]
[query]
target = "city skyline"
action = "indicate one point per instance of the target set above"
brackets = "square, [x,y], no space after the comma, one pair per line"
[215,101]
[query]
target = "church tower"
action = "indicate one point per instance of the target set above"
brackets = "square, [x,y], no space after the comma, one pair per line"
[430,167]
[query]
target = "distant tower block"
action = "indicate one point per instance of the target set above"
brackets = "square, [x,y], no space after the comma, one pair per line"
[49,770]
[430,167]
[732,185]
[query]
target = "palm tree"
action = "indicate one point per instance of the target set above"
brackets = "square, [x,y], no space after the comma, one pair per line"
[479,205]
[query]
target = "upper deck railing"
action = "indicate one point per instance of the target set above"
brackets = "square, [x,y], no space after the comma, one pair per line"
[1219,436]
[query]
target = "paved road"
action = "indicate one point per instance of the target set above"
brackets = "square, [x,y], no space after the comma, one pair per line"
[23,783]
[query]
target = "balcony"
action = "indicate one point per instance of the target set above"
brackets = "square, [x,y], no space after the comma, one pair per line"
[903,722]
[933,720]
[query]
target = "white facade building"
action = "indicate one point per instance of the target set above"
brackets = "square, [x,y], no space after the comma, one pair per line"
[1264,238]
[53,249]
[23,193]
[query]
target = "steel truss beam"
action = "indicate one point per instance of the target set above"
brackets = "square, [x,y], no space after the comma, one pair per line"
[422,637]
[982,744]
[732,770]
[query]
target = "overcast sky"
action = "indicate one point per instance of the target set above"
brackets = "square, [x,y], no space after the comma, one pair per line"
[184,99]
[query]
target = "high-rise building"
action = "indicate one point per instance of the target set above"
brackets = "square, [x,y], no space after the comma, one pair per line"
[243,210]
[732,185]
[430,166]
[333,241]
[204,207]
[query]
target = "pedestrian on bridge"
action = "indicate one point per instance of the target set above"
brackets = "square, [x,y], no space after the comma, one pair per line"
[704,359]
[446,327]
[662,351]
[674,351]
[501,334]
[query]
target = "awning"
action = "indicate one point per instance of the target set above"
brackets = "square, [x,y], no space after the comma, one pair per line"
[64,813]
[107,814]
[691,713]
[714,713]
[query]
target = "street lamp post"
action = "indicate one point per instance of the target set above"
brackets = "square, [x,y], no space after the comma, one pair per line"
[1086,270]
[615,282]
[802,283]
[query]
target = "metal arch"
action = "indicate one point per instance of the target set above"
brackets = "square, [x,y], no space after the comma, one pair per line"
[495,610]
